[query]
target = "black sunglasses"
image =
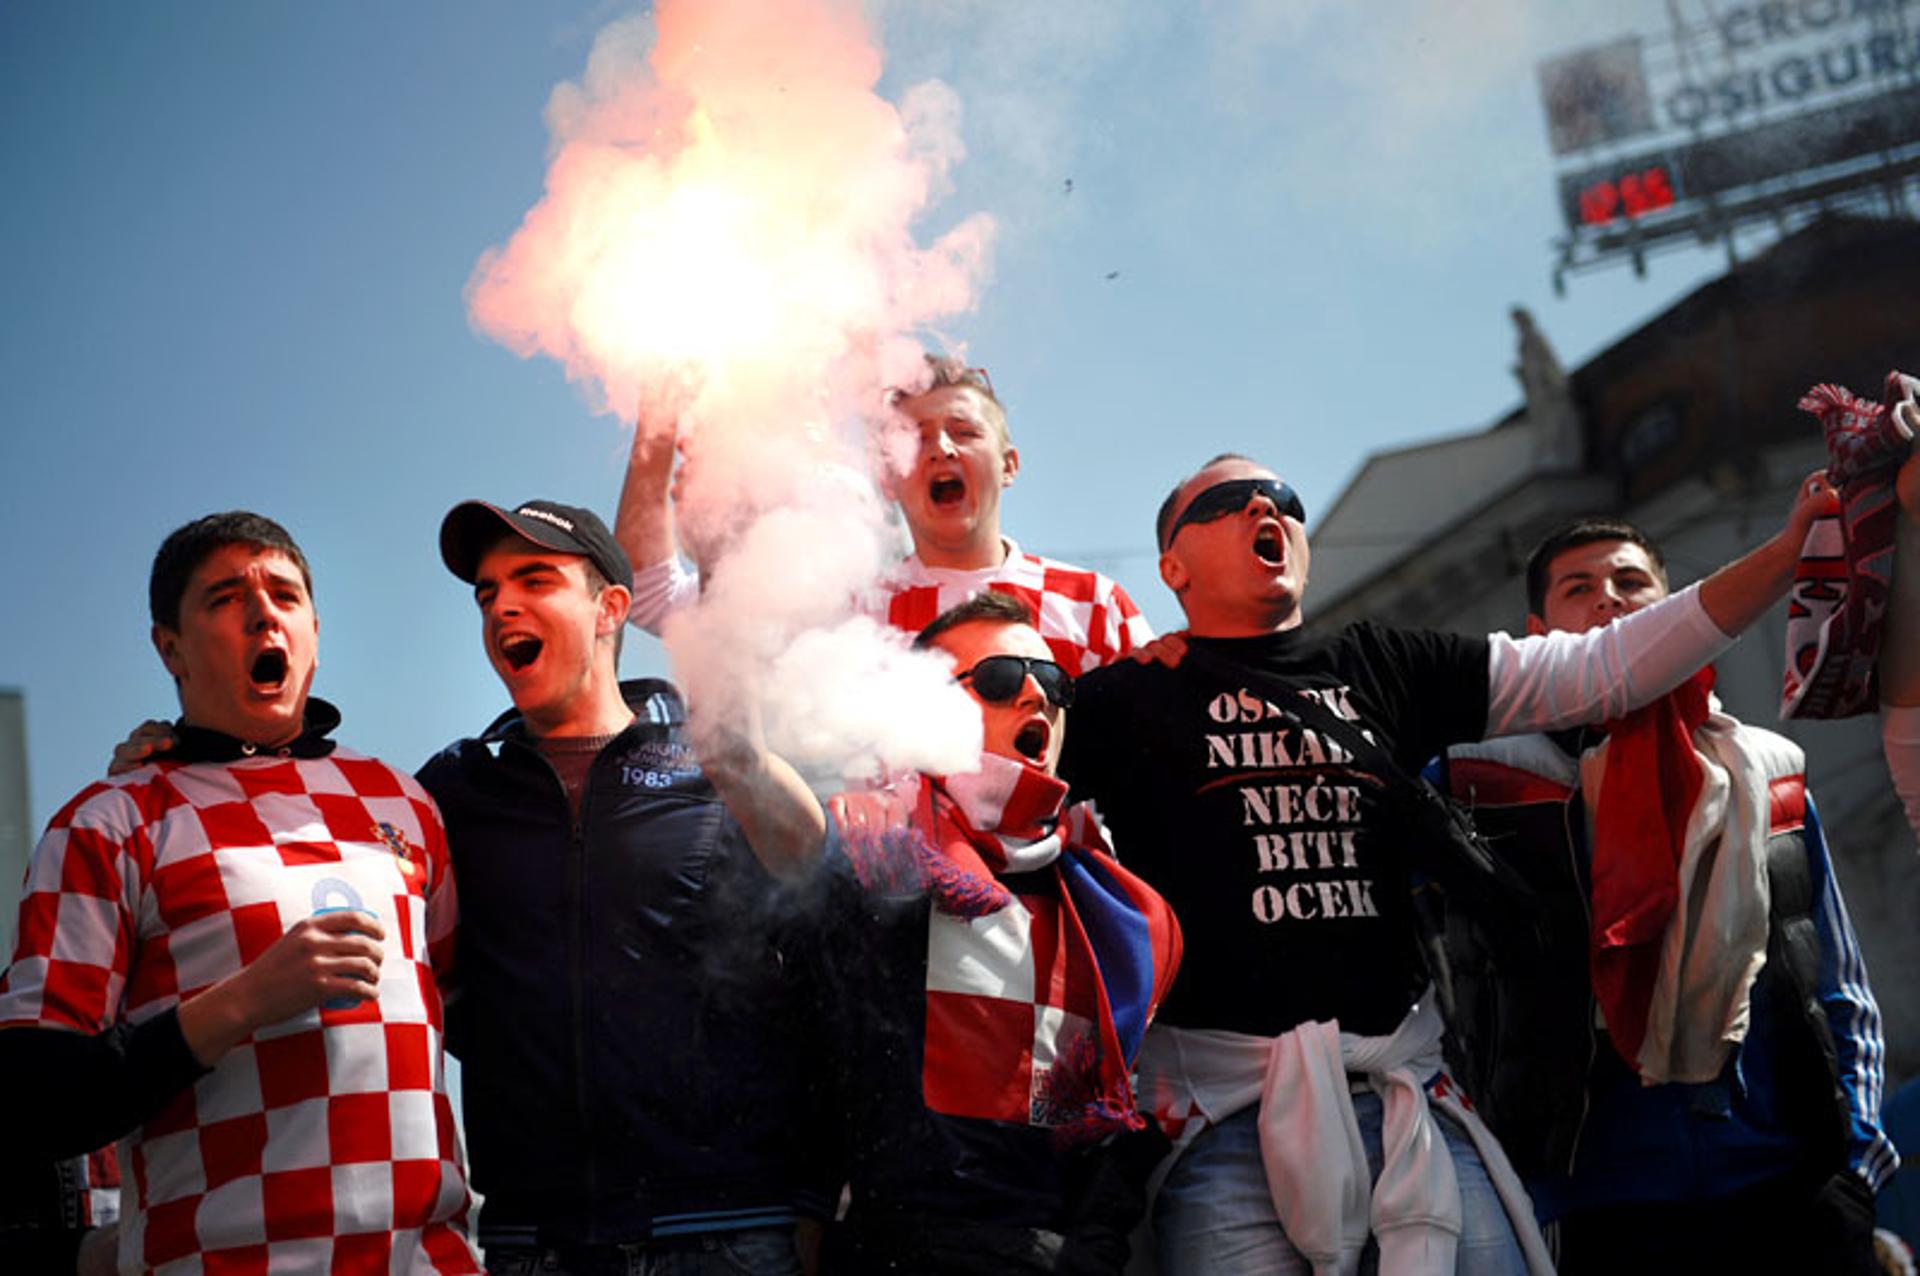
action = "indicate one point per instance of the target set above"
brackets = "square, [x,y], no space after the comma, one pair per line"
[998,679]
[1231,497]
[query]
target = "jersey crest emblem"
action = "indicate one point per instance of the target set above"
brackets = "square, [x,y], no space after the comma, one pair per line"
[405,852]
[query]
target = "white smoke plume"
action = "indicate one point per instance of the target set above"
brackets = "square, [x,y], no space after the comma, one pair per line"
[726,238]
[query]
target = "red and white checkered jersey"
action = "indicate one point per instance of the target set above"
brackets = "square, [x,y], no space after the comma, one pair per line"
[1085,617]
[99,1180]
[999,988]
[325,1143]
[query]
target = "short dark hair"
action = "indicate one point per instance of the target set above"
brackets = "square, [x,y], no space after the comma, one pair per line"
[597,583]
[989,604]
[188,546]
[1164,519]
[1582,531]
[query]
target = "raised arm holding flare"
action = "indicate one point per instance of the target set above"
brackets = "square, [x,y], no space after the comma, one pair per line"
[643,524]
[782,820]
[951,503]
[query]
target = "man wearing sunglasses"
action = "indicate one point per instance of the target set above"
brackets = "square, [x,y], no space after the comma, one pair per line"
[990,972]
[1277,851]
[951,502]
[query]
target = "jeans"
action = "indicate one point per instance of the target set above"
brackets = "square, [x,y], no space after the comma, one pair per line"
[919,1244]
[751,1251]
[1214,1215]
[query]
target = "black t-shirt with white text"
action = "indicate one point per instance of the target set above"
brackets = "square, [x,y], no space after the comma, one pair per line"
[1273,847]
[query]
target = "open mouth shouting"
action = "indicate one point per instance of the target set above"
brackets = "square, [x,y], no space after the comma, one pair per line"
[519,650]
[268,672]
[1032,739]
[946,491]
[1269,546]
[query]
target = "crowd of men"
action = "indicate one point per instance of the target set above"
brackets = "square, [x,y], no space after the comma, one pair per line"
[1170,975]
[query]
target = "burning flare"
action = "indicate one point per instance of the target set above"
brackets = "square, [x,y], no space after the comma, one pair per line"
[725,240]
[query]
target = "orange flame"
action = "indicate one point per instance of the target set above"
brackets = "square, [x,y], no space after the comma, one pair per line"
[735,206]
[725,242]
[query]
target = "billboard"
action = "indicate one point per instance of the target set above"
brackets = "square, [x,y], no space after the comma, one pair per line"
[1735,113]
[1784,56]
[1647,181]
[1596,95]
[1729,68]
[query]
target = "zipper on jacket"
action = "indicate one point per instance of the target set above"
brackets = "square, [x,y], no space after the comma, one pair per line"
[576,871]
[577,888]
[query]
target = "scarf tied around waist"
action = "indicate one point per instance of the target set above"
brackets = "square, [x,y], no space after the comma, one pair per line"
[1324,1195]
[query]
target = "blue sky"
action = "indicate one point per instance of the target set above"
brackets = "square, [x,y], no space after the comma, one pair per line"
[235,237]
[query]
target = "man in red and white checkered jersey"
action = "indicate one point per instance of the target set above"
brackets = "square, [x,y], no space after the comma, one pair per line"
[228,957]
[951,502]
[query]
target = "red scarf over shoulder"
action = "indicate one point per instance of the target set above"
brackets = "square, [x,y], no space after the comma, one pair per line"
[1036,1002]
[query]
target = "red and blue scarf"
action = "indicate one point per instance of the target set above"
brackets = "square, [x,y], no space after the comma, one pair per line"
[1036,1003]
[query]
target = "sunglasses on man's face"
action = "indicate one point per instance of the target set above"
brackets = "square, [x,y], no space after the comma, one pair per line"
[998,679]
[1230,497]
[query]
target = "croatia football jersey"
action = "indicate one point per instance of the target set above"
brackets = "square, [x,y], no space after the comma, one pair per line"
[1087,619]
[324,1143]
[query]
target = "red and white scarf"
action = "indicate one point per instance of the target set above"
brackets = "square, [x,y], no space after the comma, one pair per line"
[1647,796]
[1838,603]
[1686,799]
[1036,1003]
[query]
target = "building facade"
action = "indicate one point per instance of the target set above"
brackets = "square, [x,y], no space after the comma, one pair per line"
[1688,427]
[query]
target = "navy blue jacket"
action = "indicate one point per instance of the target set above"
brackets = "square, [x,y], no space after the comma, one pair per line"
[626,1005]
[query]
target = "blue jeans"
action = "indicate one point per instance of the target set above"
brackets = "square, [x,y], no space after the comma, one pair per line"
[1214,1215]
[751,1251]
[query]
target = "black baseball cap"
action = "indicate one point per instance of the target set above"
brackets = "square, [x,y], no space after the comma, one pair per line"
[471,527]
